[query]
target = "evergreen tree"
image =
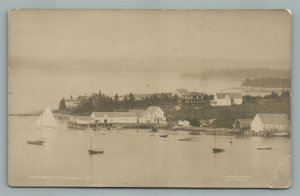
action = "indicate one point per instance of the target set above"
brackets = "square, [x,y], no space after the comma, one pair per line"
[62,105]
[175,98]
[131,100]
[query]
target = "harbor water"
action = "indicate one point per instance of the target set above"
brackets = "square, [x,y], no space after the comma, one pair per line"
[133,157]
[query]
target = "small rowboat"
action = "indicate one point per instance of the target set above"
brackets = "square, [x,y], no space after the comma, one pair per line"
[91,152]
[184,139]
[281,134]
[37,142]
[218,150]
[154,129]
[264,148]
[164,135]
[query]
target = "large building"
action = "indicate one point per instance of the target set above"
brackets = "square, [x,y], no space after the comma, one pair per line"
[227,99]
[192,97]
[153,114]
[139,97]
[114,117]
[270,123]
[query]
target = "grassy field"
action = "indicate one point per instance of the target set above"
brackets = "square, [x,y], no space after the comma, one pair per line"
[226,115]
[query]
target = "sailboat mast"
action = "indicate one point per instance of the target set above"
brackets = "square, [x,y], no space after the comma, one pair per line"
[215,138]
[41,128]
[91,142]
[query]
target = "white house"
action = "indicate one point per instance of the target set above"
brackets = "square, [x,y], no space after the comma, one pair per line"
[71,103]
[114,117]
[270,123]
[153,114]
[192,98]
[227,99]
[180,92]
[183,123]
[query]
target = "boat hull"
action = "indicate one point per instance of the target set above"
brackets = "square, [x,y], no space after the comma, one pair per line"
[264,148]
[38,142]
[96,152]
[283,134]
[218,150]
[154,129]
[184,139]
[163,135]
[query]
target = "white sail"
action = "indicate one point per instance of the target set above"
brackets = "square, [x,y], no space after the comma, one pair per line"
[46,120]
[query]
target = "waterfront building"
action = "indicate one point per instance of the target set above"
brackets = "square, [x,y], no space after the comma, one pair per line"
[242,124]
[153,114]
[270,123]
[114,117]
[81,122]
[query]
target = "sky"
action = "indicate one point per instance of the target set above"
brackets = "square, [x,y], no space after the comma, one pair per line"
[150,39]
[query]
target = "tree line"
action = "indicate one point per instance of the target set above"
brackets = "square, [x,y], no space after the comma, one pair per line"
[285,94]
[268,82]
[99,102]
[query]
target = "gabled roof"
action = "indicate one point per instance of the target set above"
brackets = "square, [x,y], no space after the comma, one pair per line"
[71,100]
[81,118]
[275,119]
[142,95]
[244,121]
[149,110]
[139,113]
[152,109]
[181,91]
[231,95]
[193,94]
[114,114]
[99,114]
[131,113]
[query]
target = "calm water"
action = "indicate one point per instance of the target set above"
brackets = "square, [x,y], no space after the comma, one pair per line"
[135,158]
[33,90]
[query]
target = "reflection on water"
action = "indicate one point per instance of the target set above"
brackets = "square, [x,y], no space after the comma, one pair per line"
[136,158]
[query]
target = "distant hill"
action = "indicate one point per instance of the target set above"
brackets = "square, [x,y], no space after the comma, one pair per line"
[241,73]
[268,82]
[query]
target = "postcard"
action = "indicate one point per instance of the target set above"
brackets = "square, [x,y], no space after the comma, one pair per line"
[149,98]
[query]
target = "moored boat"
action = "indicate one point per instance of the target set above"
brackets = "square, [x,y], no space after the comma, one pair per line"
[154,129]
[184,139]
[91,151]
[164,135]
[94,151]
[218,150]
[36,142]
[44,121]
[281,134]
[264,148]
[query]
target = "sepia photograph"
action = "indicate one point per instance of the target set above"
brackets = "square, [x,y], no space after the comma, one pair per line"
[149,98]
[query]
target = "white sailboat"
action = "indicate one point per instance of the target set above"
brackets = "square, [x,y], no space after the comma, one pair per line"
[44,121]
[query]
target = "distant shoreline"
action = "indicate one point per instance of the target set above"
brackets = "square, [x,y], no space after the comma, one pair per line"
[26,114]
